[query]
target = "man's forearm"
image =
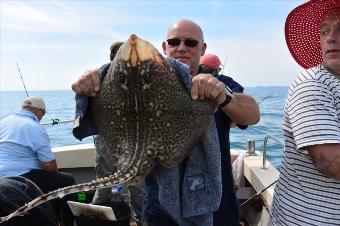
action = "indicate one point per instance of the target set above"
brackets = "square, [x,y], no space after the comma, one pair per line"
[243,109]
[326,158]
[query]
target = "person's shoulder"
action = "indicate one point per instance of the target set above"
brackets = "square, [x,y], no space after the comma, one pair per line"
[311,73]
[311,76]
[225,78]
[179,67]
[182,70]
[231,83]
[6,118]
[315,79]
[30,120]
[22,117]
[103,70]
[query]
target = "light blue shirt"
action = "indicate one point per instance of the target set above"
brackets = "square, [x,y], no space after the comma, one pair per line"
[24,144]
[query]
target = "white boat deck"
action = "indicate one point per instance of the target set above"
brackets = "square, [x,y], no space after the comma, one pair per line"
[260,178]
[83,156]
[80,161]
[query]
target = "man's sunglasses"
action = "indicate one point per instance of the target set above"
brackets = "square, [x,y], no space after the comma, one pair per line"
[187,42]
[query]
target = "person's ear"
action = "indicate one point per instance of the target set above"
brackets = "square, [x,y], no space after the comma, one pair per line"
[204,47]
[164,48]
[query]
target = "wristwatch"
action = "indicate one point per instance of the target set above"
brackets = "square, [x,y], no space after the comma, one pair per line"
[228,97]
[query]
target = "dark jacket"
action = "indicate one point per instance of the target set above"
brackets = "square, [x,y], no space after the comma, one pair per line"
[16,192]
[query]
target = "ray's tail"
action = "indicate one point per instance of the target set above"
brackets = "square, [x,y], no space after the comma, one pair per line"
[116,178]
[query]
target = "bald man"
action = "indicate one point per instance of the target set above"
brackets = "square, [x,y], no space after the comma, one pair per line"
[196,198]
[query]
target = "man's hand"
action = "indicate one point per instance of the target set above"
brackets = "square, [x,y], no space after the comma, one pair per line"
[242,109]
[88,84]
[206,86]
[50,166]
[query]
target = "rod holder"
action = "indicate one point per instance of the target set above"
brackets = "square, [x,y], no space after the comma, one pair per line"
[264,155]
[251,147]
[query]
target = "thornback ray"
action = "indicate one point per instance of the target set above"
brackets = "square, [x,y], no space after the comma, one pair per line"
[146,116]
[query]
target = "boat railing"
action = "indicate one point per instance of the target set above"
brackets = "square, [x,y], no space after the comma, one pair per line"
[265,142]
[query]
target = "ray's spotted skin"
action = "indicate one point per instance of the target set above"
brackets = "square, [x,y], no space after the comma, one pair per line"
[145,115]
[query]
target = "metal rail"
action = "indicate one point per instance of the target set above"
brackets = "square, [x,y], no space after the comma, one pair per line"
[265,142]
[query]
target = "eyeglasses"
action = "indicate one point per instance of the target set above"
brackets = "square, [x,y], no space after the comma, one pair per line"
[207,69]
[187,42]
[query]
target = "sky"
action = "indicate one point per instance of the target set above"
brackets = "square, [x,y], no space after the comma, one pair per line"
[54,42]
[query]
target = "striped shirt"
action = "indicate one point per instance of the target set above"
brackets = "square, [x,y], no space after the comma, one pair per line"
[304,196]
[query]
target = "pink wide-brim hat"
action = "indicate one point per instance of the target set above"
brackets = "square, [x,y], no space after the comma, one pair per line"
[302,31]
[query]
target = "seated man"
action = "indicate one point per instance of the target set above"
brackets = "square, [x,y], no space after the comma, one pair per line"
[14,193]
[25,151]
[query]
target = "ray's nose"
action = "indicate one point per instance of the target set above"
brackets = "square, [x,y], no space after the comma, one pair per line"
[133,39]
[134,51]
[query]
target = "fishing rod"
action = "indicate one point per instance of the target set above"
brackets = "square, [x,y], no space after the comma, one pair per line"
[265,98]
[258,193]
[259,103]
[22,79]
[57,121]
[223,66]
[54,121]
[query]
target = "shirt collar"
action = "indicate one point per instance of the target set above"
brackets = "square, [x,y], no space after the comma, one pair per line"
[28,114]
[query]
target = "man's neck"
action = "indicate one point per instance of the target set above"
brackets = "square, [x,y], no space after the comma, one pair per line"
[335,73]
[195,71]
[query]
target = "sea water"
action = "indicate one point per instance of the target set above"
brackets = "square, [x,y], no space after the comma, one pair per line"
[61,105]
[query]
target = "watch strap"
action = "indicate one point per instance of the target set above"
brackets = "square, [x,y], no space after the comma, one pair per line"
[228,97]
